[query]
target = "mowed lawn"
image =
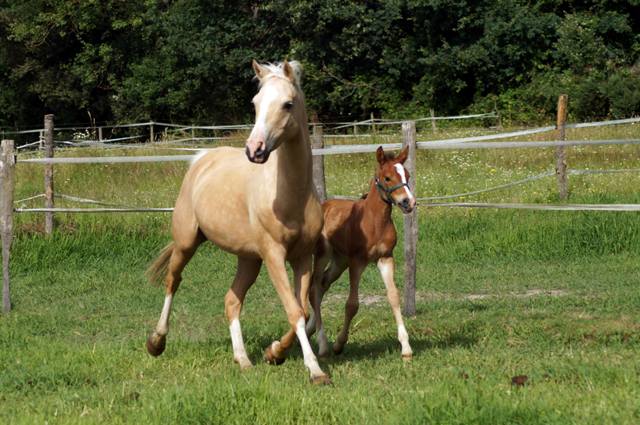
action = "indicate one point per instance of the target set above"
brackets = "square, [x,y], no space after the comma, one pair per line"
[551,299]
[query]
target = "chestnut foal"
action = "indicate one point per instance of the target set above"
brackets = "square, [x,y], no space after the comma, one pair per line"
[355,234]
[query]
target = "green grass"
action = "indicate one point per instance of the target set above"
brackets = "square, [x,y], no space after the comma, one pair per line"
[550,295]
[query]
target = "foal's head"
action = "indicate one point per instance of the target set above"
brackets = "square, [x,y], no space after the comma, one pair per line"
[279,105]
[392,180]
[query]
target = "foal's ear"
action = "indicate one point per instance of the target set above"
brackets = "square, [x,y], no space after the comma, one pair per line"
[402,156]
[260,70]
[380,155]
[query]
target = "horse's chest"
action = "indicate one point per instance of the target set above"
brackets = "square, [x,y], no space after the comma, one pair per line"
[294,233]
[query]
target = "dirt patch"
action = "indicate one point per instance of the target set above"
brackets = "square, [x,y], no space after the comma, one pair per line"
[374,299]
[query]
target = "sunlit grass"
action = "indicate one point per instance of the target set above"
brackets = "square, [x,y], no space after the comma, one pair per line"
[550,295]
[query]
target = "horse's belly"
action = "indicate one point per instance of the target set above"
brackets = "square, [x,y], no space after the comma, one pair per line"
[229,236]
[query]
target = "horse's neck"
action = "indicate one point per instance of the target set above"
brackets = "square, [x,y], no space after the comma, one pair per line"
[294,179]
[380,210]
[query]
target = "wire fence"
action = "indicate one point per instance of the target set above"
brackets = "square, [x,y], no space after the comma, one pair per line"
[493,141]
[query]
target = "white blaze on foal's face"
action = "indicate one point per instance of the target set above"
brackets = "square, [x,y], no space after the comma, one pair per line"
[403,178]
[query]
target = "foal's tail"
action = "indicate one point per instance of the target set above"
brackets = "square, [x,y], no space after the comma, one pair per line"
[158,269]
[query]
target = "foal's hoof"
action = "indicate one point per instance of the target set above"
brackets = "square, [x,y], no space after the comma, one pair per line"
[338,349]
[156,344]
[271,358]
[407,357]
[323,354]
[320,380]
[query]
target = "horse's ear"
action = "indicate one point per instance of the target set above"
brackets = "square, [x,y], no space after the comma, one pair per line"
[380,155]
[293,71]
[402,156]
[260,70]
[289,72]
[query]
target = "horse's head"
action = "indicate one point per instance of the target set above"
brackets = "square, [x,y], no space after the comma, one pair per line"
[277,103]
[392,180]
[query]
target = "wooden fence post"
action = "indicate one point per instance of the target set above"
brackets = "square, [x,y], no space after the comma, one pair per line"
[355,128]
[7,182]
[561,155]
[410,223]
[433,120]
[100,134]
[151,135]
[48,173]
[318,163]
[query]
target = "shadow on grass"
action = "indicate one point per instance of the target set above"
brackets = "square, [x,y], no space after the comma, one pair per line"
[465,336]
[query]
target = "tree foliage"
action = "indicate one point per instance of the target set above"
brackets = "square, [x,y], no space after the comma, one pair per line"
[189,60]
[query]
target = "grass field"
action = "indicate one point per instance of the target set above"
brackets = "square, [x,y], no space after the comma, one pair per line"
[553,296]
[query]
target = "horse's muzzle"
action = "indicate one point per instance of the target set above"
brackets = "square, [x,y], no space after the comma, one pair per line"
[260,156]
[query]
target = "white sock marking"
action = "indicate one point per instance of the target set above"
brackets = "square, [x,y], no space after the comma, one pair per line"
[309,358]
[163,323]
[237,342]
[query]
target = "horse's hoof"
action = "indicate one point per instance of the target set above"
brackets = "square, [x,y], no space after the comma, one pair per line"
[337,349]
[407,357]
[271,358]
[324,354]
[156,344]
[320,380]
[244,364]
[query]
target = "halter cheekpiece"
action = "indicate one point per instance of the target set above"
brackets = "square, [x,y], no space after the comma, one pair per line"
[387,191]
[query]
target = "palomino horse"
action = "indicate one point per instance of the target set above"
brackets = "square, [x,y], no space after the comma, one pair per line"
[264,209]
[355,234]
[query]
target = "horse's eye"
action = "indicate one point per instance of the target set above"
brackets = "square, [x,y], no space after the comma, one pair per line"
[387,179]
[287,105]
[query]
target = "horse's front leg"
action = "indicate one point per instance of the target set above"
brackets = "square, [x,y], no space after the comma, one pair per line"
[386,267]
[275,262]
[276,353]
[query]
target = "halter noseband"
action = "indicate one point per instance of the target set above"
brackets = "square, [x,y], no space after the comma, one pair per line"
[387,191]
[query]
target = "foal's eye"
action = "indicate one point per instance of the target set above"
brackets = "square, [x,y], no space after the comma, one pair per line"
[287,105]
[387,179]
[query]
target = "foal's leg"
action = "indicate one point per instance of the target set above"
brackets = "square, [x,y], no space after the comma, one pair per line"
[386,267]
[274,259]
[246,274]
[180,256]
[351,308]
[322,282]
[277,351]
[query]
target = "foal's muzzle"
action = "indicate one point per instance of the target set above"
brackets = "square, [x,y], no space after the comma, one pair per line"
[407,205]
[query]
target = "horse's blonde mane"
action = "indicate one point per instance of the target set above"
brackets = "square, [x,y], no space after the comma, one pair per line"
[277,69]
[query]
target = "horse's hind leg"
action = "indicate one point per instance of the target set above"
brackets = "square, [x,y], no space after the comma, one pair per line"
[322,281]
[246,275]
[351,308]
[386,267]
[180,256]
